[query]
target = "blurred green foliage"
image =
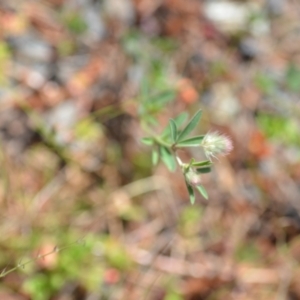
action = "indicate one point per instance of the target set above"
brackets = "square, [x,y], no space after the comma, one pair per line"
[282,129]
[152,57]
[248,252]
[5,55]
[292,78]
[265,83]
[189,219]
[74,22]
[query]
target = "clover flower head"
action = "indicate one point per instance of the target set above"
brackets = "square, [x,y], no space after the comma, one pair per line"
[216,144]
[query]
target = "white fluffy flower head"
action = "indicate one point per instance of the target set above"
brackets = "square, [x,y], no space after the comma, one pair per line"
[216,144]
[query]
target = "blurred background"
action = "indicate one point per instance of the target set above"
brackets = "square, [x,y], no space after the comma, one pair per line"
[84,215]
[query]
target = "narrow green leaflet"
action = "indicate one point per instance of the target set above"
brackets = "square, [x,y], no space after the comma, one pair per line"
[190,126]
[191,142]
[168,158]
[203,163]
[191,192]
[179,120]
[203,170]
[147,141]
[202,191]
[173,129]
[155,157]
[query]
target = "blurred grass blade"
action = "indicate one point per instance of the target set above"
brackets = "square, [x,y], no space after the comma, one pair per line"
[191,142]
[202,191]
[151,120]
[190,126]
[164,97]
[191,192]
[173,129]
[147,141]
[155,157]
[168,158]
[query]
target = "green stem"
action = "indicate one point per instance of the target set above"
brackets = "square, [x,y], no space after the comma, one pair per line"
[22,265]
[162,142]
[156,138]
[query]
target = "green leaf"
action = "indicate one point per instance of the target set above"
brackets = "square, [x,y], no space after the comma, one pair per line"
[154,103]
[168,158]
[203,163]
[164,97]
[203,170]
[190,126]
[147,141]
[155,157]
[202,191]
[173,129]
[191,142]
[191,192]
[179,120]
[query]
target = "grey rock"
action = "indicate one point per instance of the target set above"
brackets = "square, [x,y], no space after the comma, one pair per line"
[62,118]
[275,7]
[120,9]
[30,48]
[96,28]
[248,48]
[70,65]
